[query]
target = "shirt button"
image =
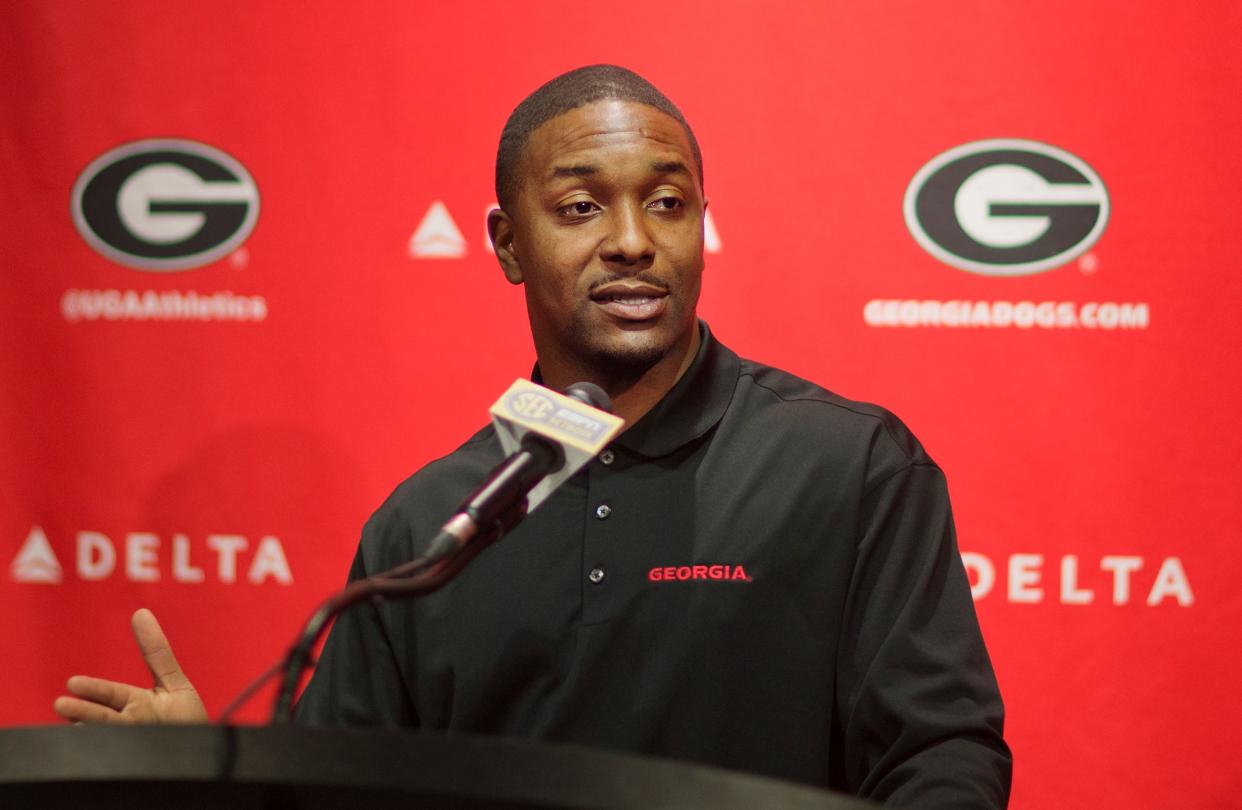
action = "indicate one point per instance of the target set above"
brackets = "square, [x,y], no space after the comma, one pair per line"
[596,576]
[603,511]
[607,457]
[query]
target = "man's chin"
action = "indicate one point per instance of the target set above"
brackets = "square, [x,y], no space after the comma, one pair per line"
[630,349]
[631,356]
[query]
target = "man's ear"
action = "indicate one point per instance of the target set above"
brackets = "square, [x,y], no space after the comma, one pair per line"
[500,231]
[705,222]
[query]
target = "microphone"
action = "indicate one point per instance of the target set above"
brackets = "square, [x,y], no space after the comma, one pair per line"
[590,394]
[548,437]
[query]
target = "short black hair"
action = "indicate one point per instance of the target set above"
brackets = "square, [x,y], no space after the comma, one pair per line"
[577,88]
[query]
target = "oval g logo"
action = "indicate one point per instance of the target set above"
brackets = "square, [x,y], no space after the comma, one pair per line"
[1006,207]
[165,204]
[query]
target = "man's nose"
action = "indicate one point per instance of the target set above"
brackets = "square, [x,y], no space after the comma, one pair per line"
[629,242]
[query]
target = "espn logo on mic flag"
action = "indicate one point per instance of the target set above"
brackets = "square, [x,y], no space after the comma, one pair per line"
[580,430]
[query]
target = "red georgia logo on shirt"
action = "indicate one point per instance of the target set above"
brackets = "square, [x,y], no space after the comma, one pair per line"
[676,573]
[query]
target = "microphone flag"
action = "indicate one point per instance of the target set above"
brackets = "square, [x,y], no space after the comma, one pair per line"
[578,429]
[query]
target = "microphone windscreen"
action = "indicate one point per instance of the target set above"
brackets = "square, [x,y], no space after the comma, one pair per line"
[590,394]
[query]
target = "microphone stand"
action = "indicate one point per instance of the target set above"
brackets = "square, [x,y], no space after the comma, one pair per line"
[449,555]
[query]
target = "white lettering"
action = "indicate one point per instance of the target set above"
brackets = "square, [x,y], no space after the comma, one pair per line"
[269,561]
[916,313]
[1171,581]
[226,547]
[1121,567]
[873,313]
[1108,315]
[96,556]
[183,571]
[1024,314]
[150,305]
[1024,576]
[140,557]
[1025,572]
[1087,314]
[984,573]
[1071,594]
[1134,316]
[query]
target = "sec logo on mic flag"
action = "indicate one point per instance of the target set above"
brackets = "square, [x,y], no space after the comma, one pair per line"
[1006,207]
[165,204]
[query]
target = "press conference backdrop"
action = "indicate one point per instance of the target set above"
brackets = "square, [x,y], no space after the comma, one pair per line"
[246,290]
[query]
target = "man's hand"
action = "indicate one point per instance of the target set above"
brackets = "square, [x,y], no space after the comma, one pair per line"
[172,699]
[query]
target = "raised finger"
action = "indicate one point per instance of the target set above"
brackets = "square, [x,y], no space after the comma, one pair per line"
[157,653]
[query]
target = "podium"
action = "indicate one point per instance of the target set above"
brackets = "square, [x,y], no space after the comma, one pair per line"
[285,767]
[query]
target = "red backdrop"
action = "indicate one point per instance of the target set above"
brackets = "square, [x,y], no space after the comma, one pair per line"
[150,444]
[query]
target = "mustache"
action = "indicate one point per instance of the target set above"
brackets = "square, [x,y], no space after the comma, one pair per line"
[642,276]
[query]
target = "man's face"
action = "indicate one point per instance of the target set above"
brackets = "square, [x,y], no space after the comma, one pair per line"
[607,236]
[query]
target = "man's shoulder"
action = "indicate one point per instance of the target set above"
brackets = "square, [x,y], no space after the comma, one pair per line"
[424,500]
[807,411]
[472,459]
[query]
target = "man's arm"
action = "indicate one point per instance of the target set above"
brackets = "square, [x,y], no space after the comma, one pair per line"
[357,680]
[922,714]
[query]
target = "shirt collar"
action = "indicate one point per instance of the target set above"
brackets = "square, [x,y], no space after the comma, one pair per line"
[692,406]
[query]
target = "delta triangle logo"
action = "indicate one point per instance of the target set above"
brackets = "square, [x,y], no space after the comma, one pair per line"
[36,562]
[437,236]
[711,239]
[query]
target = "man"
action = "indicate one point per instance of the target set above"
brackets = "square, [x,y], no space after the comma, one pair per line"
[756,574]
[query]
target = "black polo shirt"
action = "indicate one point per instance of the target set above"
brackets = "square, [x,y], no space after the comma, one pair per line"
[758,574]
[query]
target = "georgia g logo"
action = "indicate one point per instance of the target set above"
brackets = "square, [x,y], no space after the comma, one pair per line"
[165,204]
[1006,207]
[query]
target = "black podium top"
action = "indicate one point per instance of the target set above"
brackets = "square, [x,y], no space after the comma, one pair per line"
[288,767]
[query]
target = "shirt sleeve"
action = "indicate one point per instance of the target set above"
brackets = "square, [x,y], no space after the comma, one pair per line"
[921,712]
[357,680]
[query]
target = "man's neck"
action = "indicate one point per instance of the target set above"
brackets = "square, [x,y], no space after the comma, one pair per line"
[633,393]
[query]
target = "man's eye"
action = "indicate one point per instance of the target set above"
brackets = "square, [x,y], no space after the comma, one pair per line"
[667,203]
[581,208]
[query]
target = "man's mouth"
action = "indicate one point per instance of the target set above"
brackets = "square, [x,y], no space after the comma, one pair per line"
[631,302]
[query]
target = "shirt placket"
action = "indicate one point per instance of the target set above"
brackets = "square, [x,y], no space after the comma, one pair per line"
[609,517]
